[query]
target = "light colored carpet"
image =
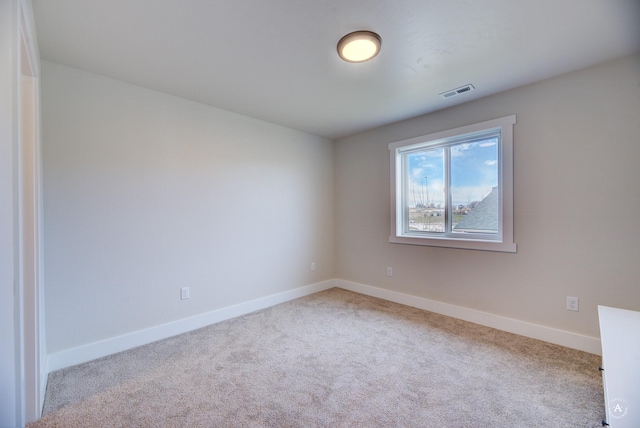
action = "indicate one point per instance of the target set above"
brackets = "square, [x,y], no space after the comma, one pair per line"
[333,359]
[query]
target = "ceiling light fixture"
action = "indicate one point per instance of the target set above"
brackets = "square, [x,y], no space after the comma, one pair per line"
[359,46]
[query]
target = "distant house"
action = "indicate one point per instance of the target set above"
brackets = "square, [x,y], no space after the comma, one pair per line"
[483,218]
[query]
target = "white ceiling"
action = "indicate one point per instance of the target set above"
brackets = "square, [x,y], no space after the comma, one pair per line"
[276,60]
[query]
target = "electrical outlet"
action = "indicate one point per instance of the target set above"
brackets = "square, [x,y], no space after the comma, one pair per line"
[572,303]
[184,293]
[313,266]
[389,271]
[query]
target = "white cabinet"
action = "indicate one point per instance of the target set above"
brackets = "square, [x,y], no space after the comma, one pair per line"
[620,336]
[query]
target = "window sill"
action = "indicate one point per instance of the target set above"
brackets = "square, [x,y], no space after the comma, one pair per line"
[504,247]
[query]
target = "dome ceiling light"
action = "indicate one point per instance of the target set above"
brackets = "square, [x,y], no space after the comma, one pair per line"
[359,46]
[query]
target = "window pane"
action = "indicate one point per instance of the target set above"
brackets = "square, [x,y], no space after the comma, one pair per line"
[474,186]
[425,190]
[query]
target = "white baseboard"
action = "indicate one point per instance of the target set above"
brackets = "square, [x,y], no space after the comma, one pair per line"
[91,351]
[535,331]
[44,375]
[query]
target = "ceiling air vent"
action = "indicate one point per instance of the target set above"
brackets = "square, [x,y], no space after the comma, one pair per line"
[457,91]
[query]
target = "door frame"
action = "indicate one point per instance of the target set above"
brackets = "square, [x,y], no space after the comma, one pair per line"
[28,188]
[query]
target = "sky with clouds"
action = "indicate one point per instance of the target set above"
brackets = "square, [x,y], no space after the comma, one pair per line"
[474,171]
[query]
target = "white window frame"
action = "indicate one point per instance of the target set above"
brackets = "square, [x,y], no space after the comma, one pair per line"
[503,241]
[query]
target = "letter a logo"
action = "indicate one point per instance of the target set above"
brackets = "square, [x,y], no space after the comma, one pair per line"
[618,408]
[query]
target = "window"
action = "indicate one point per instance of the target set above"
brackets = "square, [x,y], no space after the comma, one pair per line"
[455,188]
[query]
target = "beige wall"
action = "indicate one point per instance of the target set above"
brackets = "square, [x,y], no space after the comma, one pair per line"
[576,197]
[146,193]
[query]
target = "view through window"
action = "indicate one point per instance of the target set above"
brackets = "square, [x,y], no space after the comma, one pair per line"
[470,171]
